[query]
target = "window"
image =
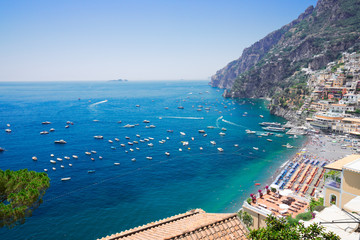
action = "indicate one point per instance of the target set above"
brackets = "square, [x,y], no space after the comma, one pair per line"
[332,199]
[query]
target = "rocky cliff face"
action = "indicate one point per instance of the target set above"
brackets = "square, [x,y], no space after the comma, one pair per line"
[317,37]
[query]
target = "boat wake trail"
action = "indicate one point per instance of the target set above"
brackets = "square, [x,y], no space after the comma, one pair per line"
[217,121]
[195,118]
[232,123]
[97,103]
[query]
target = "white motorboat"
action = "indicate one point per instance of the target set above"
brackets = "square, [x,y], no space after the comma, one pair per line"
[149,158]
[256,148]
[34,158]
[213,142]
[60,141]
[74,156]
[66,179]
[52,161]
[98,137]
[182,133]
[220,149]
[88,153]
[66,157]
[59,159]
[167,153]
[116,163]
[222,133]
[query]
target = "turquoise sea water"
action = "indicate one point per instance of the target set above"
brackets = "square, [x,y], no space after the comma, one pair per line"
[115,198]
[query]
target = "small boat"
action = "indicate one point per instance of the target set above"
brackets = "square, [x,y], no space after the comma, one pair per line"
[236,145]
[201,131]
[116,163]
[44,132]
[60,141]
[66,179]
[182,133]
[67,126]
[45,170]
[95,120]
[92,151]
[59,159]
[112,147]
[167,153]
[62,166]
[54,168]
[130,143]
[205,135]
[249,131]
[98,137]
[151,138]
[288,146]
[8,125]
[116,139]
[149,158]
[74,156]
[274,129]
[222,133]
[88,153]
[201,148]
[66,157]
[278,135]
[256,148]
[129,126]
[110,141]
[180,150]
[152,126]
[119,121]
[261,116]
[46,122]
[2,149]
[126,137]
[123,145]
[180,107]
[270,140]
[192,138]
[92,159]
[257,184]
[270,124]
[133,159]
[223,129]
[295,136]
[137,105]
[91,171]
[137,135]
[210,127]
[146,121]
[52,161]
[131,150]
[220,149]
[34,158]
[166,108]
[213,142]
[52,130]
[150,144]
[161,142]
[70,165]
[170,131]
[8,130]
[136,142]
[51,155]
[146,139]
[141,140]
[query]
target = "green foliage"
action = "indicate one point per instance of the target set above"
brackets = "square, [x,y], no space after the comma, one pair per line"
[314,203]
[273,190]
[319,208]
[306,216]
[282,229]
[292,221]
[20,193]
[246,218]
[248,200]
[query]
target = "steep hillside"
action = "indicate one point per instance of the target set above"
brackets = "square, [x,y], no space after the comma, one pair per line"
[317,37]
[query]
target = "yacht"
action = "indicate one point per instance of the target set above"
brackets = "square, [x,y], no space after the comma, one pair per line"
[223,129]
[34,158]
[110,141]
[222,134]
[182,133]
[8,130]
[46,122]
[149,158]
[52,161]
[60,141]
[66,157]
[167,153]
[59,159]
[88,153]
[146,121]
[44,132]
[210,127]
[274,129]
[256,148]
[52,129]
[116,163]
[213,142]
[93,151]
[75,156]
[66,179]
[220,149]
[201,131]
[98,137]
[129,126]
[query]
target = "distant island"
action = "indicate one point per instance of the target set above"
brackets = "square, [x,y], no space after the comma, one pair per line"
[118,80]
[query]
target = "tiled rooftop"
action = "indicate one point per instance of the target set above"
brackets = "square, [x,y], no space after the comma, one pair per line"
[195,224]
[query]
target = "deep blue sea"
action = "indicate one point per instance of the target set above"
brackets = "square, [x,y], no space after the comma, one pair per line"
[119,197]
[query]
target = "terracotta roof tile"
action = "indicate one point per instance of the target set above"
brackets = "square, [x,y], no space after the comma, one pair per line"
[192,225]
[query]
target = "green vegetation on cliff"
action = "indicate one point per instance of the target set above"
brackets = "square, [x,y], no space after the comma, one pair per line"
[317,37]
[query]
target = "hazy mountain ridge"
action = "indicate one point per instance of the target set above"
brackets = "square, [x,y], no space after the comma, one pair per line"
[315,38]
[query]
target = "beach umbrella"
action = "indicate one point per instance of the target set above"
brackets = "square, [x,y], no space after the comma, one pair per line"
[284,206]
[285,192]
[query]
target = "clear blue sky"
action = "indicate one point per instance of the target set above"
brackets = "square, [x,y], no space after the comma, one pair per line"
[134,39]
